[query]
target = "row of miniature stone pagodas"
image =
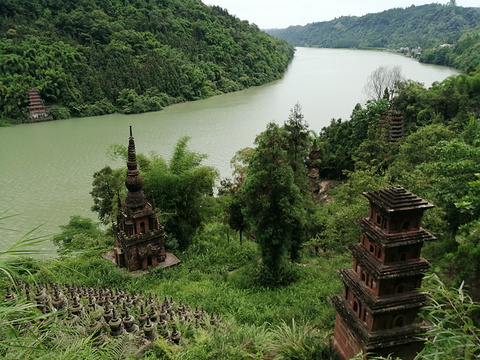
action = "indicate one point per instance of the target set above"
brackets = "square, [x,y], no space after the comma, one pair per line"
[118,310]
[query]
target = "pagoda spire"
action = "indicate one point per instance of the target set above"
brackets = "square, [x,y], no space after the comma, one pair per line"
[139,238]
[133,181]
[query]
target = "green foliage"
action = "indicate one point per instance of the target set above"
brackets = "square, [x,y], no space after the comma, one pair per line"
[425,26]
[452,102]
[274,205]
[298,142]
[80,234]
[452,334]
[14,258]
[180,189]
[218,273]
[90,57]
[300,342]
[463,55]
[106,185]
[450,175]
[464,264]
[417,148]
[334,221]
[340,142]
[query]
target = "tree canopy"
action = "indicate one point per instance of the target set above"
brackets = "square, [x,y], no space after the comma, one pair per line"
[423,26]
[89,58]
[273,203]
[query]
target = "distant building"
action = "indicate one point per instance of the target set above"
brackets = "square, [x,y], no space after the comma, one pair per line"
[393,119]
[36,110]
[376,312]
[139,237]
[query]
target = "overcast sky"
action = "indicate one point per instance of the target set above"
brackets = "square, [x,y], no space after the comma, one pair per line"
[283,13]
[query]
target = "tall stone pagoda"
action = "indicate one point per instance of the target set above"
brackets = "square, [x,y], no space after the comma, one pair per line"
[36,110]
[377,311]
[139,237]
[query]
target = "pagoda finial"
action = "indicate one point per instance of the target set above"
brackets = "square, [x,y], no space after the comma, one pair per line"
[133,180]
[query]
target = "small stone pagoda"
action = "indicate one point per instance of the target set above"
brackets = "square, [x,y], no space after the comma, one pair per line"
[139,237]
[377,311]
[36,110]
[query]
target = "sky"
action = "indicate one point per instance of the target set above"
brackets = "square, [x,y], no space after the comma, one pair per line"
[267,14]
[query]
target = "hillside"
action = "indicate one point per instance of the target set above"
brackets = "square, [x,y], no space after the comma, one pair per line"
[94,57]
[463,55]
[416,26]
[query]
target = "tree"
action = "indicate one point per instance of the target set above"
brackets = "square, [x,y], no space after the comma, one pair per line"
[236,219]
[79,234]
[297,135]
[298,148]
[334,221]
[382,82]
[106,185]
[451,174]
[274,205]
[463,265]
[88,58]
[417,149]
[179,189]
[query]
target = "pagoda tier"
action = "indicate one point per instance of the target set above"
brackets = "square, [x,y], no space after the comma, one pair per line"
[36,110]
[139,237]
[377,311]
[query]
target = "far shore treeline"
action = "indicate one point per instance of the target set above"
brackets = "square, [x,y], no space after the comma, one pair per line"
[436,34]
[89,58]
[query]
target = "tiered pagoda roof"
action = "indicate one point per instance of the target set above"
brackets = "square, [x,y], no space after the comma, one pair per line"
[36,110]
[397,199]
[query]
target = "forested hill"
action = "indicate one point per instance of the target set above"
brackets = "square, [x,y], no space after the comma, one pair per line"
[425,26]
[90,57]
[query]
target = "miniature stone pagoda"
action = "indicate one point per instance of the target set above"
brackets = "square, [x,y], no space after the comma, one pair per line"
[139,237]
[377,311]
[36,110]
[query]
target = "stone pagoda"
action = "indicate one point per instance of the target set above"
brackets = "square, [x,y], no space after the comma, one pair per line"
[36,110]
[313,166]
[139,237]
[377,311]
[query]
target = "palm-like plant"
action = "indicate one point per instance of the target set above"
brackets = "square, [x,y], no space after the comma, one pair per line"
[298,342]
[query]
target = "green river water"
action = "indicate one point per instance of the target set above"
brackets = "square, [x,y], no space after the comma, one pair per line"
[46,168]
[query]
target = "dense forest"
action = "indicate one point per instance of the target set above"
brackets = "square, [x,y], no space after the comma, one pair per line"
[463,54]
[417,28]
[90,58]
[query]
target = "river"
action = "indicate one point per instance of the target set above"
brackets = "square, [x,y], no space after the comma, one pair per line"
[46,168]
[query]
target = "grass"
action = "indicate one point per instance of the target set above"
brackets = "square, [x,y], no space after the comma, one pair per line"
[220,276]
